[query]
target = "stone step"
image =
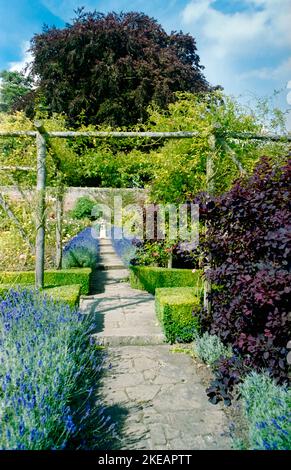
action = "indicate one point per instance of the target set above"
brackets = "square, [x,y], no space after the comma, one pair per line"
[108,257]
[108,267]
[127,339]
[104,242]
[115,274]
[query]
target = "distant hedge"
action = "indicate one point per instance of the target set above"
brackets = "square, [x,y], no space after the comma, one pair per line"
[52,278]
[149,278]
[175,309]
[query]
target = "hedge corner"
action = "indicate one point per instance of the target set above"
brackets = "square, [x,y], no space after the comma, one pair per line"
[150,277]
[177,310]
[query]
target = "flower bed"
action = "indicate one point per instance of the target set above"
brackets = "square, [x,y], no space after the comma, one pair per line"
[266,407]
[48,369]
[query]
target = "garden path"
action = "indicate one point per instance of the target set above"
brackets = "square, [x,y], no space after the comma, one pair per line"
[156,393]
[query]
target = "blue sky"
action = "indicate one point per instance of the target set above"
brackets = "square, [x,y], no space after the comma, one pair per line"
[244,45]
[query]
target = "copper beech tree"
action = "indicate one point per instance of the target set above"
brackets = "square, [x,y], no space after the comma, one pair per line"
[108,68]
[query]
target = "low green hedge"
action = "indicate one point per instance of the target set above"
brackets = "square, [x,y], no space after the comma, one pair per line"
[69,294]
[174,309]
[52,278]
[149,278]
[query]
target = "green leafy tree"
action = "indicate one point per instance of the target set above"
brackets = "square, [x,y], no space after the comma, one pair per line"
[110,67]
[179,166]
[14,87]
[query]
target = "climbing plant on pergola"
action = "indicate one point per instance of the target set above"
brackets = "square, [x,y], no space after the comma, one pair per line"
[43,142]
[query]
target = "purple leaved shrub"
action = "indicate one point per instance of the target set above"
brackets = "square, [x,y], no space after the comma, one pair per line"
[248,248]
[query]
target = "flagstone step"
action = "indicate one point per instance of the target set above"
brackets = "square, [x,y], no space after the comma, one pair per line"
[128,338]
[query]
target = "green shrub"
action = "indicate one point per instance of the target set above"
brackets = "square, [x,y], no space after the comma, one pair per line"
[52,278]
[209,348]
[81,257]
[83,208]
[174,309]
[81,251]
[266,407]
[149,278]
[69,294]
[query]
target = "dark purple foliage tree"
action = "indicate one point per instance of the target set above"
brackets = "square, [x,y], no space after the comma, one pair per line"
[248,240]
[110,67]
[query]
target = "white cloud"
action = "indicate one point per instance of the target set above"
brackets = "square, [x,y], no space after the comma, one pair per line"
[280,73]
[24,61]
[235,46]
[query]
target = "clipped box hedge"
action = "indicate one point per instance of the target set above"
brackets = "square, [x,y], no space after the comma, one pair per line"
[68,294]
[52,278]
[174,309]
[149,278]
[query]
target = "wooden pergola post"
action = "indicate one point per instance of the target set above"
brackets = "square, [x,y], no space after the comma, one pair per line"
[59,224]
[210,189]
[40,205]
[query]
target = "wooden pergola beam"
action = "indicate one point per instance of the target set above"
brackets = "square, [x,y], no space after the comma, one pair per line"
[150,135]
[42,142]
[17,168]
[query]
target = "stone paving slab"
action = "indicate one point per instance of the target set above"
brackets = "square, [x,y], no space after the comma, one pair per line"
[164,399]
[123,316]
[155,395]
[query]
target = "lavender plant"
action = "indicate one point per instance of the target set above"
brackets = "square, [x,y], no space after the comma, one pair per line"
[266,407]
[47,370]
[81,251]
[124,245]
[209,348]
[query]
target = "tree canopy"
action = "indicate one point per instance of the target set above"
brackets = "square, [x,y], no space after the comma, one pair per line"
[108,68]
[15,86]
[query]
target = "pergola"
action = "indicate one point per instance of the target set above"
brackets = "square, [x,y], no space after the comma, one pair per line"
[43,141]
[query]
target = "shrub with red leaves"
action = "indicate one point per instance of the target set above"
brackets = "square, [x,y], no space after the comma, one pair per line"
[248,240]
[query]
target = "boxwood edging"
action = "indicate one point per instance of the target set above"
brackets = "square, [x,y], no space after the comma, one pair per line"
[52,278]
[175,309]
[149,278]
[69,294]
